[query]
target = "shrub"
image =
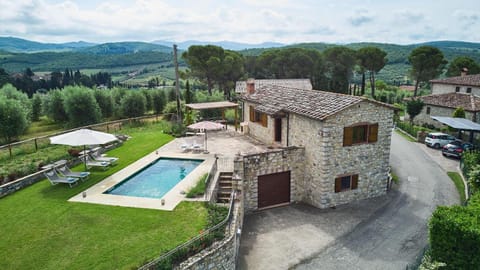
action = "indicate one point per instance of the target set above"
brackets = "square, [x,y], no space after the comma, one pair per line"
[409,128]
[474,178]
[170,110]
[199,188]
[455,235]
[469,160]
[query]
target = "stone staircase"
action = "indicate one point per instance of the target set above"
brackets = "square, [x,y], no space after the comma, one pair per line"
[225,186]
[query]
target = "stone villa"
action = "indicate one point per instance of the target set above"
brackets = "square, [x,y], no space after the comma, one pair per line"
[335,148]
[448,94]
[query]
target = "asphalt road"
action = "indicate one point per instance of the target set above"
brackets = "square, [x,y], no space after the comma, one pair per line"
[396,232]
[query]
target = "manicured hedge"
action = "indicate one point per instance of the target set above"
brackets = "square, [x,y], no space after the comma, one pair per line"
[455,235]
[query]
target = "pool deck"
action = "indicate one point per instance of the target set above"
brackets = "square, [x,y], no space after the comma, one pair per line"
[220,143]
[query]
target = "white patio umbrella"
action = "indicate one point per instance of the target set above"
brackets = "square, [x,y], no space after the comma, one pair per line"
[206,125]
[83,137]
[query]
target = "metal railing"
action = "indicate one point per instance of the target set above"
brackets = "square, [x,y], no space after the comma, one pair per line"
[208,232]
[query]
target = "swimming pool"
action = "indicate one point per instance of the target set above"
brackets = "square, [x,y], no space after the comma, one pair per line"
[156,179]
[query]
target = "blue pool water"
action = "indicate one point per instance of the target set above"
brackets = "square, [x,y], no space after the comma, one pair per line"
[156,179]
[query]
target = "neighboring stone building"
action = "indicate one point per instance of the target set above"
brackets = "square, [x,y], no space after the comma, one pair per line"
[241,86]
[344,142]
[460,84]
[445,105]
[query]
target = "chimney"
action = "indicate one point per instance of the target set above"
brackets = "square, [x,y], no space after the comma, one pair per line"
[464,72]
[250,86]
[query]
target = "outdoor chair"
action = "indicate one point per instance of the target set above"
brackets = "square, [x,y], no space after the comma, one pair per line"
[196,147]
[65,171]
[54,178]
[97,157]
[97,164]
[185,147]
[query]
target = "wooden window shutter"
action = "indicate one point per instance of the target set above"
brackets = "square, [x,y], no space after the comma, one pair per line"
[347,136]
[252,114]
[373,133]
[354,181]
[264,119]
[338,184]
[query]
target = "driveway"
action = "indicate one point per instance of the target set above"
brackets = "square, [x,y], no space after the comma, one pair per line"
[381,233]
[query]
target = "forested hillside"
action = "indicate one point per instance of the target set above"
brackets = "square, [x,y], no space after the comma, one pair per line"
[58,61]
[397,67]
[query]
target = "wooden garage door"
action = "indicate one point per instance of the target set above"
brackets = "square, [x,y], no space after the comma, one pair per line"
[273,189]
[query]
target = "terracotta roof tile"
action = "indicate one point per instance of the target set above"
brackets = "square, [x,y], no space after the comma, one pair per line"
[468,102]
[468,80]
[311,103]
[240,86]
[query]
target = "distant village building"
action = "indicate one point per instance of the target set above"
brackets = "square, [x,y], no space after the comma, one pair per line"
[448,94]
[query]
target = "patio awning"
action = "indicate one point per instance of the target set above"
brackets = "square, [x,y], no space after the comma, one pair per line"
[215,105]
[458,123]
[212,105]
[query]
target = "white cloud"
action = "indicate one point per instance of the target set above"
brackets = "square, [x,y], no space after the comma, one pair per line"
[244,21]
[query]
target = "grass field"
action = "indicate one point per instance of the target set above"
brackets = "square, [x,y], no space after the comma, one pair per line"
[41,230]
[458,181]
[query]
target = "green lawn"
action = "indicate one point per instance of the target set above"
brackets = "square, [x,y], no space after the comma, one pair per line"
[458,181]
[408,138]
[41,230]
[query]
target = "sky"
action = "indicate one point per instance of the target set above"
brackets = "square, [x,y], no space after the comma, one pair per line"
[247,21]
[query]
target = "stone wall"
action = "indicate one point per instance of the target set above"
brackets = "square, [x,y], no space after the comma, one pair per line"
[326,158]
[222,254]
[448,88]
[249,167]
[11,187]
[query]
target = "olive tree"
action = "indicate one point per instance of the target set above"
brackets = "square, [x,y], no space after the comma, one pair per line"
[13,119]
[36,107]
[133,104]
[81,106]
[53,106]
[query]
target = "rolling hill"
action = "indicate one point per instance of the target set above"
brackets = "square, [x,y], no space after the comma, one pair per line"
[18,54]
[12,44]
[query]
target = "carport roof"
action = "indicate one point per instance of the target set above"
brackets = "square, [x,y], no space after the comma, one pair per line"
[458,123]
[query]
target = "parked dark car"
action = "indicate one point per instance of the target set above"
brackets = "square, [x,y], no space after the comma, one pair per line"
[456,148]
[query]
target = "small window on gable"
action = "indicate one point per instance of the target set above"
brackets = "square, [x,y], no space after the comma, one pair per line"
[358,134]
[457,89]
[428,110]
[346,182]
[469,90]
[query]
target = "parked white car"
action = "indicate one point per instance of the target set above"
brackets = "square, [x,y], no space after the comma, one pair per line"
[438,140]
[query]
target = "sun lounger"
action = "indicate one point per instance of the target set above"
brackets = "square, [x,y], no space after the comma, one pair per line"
[97,157]
[98,164]
[64,170]
[196,147]
[54,178]
[185,147]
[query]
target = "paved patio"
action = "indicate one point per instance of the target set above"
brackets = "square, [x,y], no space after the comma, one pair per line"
[224,144]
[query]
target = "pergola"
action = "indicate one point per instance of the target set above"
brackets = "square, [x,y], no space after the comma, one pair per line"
[459,123]
[215,105]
